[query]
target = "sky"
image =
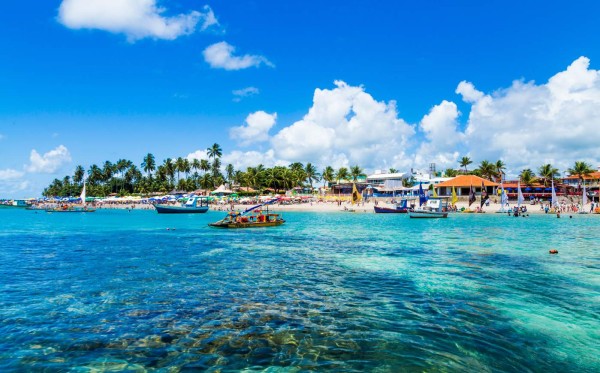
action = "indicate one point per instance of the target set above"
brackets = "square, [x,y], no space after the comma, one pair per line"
[386,84]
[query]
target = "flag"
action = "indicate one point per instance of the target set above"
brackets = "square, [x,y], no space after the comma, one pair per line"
[471,195]
[484,195]
[454,196]
[356,197]
[422,196]
[435,195]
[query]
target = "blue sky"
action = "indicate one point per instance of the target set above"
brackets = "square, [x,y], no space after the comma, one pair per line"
[86,81]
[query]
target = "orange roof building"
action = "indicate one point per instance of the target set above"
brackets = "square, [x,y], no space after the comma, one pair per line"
[463,183]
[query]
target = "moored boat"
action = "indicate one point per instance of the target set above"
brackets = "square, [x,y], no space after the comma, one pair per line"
[435,207]
[194,205]
[253,217]
[401,207]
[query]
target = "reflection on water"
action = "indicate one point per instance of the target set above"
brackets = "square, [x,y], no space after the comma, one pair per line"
[328,292]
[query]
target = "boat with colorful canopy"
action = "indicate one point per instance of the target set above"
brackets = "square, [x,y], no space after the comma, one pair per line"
[253,217]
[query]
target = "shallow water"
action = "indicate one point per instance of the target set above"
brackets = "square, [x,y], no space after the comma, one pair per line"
[116,290]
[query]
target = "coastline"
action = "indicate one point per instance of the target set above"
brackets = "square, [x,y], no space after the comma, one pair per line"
[335,207]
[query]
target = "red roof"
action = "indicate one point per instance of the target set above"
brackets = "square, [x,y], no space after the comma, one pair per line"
[465,181]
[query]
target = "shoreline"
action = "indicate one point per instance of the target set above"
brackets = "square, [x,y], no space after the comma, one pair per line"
[333,207]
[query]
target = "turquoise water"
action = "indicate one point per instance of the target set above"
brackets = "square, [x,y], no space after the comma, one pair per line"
[116,290]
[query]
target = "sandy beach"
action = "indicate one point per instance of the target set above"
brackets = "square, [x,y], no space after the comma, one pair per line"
[345,206]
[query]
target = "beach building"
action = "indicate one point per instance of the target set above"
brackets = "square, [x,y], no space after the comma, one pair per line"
[592,184]
[386,184]
[462,185]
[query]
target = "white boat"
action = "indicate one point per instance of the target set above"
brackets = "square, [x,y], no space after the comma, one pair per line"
[434,208]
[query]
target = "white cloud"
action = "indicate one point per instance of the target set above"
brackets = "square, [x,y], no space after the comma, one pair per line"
[468,92]
[242,160]
[347,125]
[244,92]
[50,162]
[137,19]
[256,128]
[220,56]
[442,137]
[10,174]
[198,154]
[527,125]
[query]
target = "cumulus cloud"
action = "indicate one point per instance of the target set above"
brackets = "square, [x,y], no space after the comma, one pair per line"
[528,124]
[442,136]
[10,174]
[244,92]
[348,125]
[50,162]
[242,160]
[221,56]
[256,128]
[198,154]
[137,19]
[525,125]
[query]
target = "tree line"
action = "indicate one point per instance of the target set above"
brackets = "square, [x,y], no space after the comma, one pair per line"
[546,173]
[123,177]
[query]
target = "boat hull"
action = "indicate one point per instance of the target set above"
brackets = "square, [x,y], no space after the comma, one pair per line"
[247,225]
[180,210]
[388,210]
[427,215]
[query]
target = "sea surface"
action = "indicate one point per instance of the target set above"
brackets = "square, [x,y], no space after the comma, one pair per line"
[348,292]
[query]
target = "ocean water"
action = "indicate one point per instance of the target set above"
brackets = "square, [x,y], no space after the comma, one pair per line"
[118,291]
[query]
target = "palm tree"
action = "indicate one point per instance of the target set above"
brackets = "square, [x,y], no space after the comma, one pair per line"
[149,164]
[311,174]
[95,174]
[464,162]
[179,166]
[196,164]
[450,172]
[169,169]
[393,171]
[342,174]
[229,171]
[500,167]
[581,169]
[204,165]
[78,174]
[328,174]
[548,173]
[487,169]
[356,172]
[527,176]
[214,151]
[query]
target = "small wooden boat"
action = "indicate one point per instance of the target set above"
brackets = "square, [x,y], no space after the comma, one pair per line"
[194,205]
[250,218]
[67,208]
[256,220]
[401,207]
[435,207]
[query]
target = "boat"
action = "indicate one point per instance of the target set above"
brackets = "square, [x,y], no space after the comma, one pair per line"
[16,203]
[401,207]
[194,205]
[73,208]
[435,207]
[252,217]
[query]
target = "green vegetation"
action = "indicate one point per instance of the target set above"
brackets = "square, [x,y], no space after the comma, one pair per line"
[123,177]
